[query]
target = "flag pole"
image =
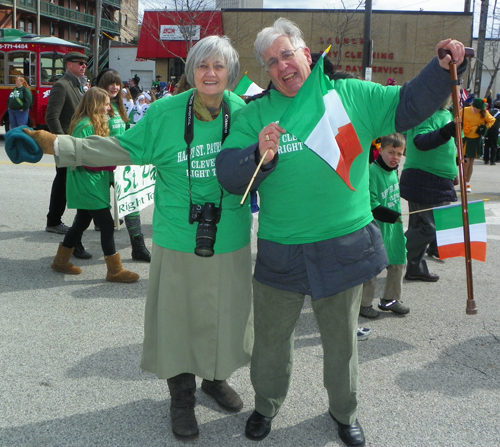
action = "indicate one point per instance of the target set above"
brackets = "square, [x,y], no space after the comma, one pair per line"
[264,156]
[455,92]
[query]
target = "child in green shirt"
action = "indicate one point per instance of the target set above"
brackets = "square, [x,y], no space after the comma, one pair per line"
[386,209]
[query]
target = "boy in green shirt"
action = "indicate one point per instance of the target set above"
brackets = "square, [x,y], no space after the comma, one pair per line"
[386,209]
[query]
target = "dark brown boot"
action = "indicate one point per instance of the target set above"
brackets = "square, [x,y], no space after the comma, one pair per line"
[61,262]
[182,389]
[223,394]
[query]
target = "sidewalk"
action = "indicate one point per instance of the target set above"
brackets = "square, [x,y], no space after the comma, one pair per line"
[70,349]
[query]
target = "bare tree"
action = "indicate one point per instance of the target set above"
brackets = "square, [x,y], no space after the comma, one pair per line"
[345,24]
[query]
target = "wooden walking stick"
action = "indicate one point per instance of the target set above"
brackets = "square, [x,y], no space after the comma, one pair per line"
[455,94]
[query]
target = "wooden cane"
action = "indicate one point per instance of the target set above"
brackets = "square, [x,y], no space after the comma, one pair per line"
[455,92]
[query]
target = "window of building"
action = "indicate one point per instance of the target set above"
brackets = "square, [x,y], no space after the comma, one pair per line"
[22,25]
[77,6]
[126,19]
[30,26]
[77,35]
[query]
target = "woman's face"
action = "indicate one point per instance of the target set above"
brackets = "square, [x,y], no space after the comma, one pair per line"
[211,77]
[114,89]
[18,82]
[106,107]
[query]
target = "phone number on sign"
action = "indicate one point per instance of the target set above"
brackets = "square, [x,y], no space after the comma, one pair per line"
[13,46]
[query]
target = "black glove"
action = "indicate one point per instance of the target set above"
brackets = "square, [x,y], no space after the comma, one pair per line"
[482,130]
[448,131]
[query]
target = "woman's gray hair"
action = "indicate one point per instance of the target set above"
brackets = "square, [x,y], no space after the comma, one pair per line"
[282,27]
[209,48]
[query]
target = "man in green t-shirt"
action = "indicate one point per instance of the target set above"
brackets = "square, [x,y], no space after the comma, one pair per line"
[316,235]
[427,182]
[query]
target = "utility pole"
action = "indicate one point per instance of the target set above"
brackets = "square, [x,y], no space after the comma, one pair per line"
[480,45]
[97,39]
[367,43]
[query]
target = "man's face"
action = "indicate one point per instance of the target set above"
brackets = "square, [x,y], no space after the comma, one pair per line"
[77,67]
[287,66]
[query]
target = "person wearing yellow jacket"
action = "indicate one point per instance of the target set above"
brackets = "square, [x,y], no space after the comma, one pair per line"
[476,122]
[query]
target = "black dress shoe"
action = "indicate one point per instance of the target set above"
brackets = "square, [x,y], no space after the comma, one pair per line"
[258,426]
[80,252]
[429,277]
[352,435]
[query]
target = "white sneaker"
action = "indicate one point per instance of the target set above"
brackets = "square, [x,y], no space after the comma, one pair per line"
[363,333]
[468,188]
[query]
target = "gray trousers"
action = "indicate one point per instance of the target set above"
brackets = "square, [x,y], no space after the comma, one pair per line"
[275,315]
[393,285]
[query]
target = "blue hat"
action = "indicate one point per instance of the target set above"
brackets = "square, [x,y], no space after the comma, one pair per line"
[20,147]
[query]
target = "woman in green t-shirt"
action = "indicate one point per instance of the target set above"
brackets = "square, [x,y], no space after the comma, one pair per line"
[111,81]
[20,100]
[87,190]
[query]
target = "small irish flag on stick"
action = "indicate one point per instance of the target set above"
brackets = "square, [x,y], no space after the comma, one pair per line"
[318,118]
[246,87]
[450,230]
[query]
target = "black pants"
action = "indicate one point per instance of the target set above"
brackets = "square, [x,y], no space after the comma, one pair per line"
[420,235]
[490,147]
[57,203]
[82,221]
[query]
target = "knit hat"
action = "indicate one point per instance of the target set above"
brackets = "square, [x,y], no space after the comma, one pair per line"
[22,148]
[479,103]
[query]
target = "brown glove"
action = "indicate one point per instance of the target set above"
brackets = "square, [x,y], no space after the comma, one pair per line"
[44,139]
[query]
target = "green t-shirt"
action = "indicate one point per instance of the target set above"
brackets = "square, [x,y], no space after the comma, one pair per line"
[384,190]
[87,189]
[116,124]
[440,161]
[158,139]
[304,200]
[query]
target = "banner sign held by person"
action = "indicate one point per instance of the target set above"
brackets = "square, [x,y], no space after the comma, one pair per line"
[450,230]
[134,188]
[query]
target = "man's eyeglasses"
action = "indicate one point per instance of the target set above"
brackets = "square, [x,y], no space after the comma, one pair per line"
[79,62]
[285,56]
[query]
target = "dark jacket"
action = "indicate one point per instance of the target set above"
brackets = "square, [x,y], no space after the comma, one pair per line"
[20,99]
[64,98]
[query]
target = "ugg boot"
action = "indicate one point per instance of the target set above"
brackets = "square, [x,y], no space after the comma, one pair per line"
[223,394]
[61,261]
[116,272]
[182,400]
[139,250]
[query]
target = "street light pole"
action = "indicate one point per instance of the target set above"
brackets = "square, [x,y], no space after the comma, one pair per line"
[367,40]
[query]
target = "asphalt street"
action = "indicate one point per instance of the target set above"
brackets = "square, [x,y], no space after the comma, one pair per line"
[70,348]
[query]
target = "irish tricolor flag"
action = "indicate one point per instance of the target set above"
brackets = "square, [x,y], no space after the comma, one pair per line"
[246,87]
[318,118]
[450,230]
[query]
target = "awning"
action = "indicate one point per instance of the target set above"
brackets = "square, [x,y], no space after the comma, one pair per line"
[163,33]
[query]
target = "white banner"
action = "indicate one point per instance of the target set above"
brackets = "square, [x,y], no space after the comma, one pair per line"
[175,32]
[134,188]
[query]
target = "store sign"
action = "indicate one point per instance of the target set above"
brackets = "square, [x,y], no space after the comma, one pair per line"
[175,32]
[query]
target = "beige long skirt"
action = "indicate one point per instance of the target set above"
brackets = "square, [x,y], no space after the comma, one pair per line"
[198,316]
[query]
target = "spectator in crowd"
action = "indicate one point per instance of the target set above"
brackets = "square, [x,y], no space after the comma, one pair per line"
[19,103]
[65,95]
[427,182]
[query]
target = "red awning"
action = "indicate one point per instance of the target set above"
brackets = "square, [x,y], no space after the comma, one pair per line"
[170,25]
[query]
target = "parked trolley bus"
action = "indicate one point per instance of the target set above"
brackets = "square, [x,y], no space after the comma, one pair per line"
[39,60]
